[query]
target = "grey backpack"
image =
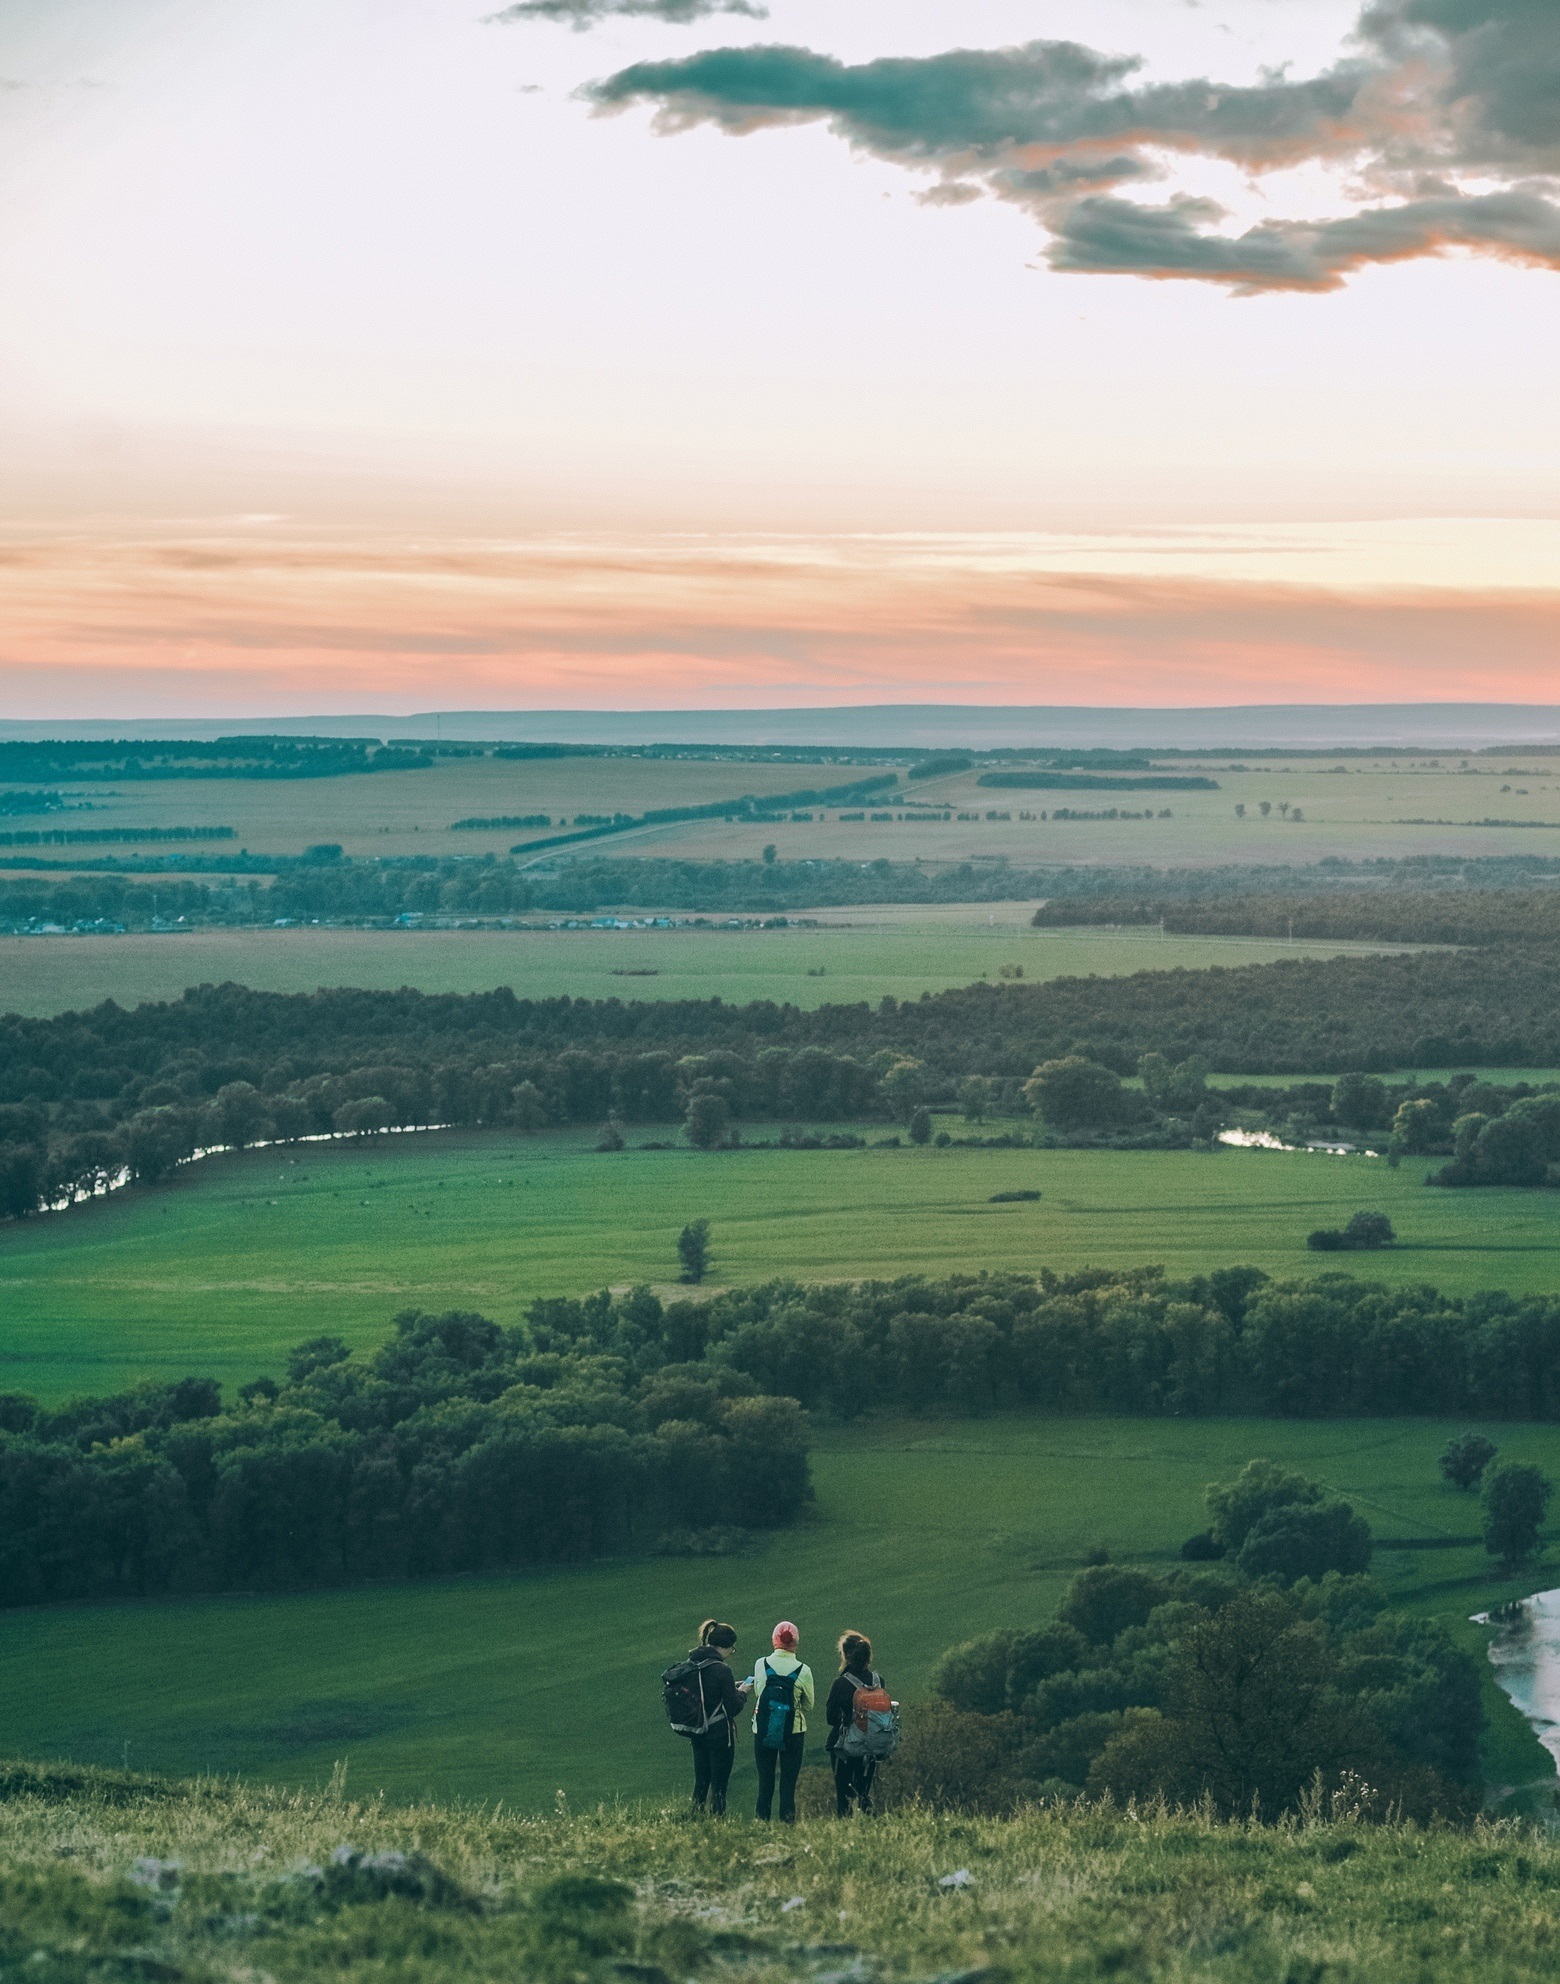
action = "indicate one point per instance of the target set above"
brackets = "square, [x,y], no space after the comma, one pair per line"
[873,1729]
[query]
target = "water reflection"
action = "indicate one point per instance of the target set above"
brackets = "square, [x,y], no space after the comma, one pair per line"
[1525,1653]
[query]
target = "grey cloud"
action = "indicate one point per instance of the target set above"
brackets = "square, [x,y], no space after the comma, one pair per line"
[583,14]
[1433,89]
[1104,236]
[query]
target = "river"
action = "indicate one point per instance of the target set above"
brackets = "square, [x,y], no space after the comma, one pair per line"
[1525,1653]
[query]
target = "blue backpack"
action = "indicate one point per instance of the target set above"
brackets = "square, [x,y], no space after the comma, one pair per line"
[777,1707]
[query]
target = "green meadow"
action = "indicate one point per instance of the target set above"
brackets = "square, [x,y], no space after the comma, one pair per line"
[850,956]
[243,1256]
[519,1687]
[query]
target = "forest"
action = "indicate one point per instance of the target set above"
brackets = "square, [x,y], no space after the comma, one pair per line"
[87,1094]
[455,1446]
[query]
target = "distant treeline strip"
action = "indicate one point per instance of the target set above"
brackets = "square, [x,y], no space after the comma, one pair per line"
[602,1424]
[1406,916]
[101,836]
[222,757]
[749,806]
[326,887]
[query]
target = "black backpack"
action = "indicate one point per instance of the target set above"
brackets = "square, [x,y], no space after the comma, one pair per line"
[777,1707]
[682,1693]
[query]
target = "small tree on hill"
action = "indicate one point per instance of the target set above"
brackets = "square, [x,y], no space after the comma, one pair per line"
[1515,1498]
[1464,1460]
[921,1127]
[693,1250]
[611,1137]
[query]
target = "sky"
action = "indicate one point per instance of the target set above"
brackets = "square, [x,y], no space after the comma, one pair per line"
[413,354]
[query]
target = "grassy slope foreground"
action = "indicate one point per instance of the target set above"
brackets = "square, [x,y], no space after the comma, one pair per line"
[519,1687]
[224,1270]
[118,1878]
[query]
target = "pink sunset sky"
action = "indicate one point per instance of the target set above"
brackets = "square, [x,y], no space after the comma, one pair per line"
[377,354]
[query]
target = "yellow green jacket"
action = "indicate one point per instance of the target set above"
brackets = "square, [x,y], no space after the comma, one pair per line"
[784,1663]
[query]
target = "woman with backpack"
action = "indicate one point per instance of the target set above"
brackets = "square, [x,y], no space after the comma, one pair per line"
[851,1750]
[782,1691]
[720,1696]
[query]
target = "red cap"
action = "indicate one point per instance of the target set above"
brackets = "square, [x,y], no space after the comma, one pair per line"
[785,1635]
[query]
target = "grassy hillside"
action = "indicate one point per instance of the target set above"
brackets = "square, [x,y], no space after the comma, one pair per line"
[111,1877]
[863,954]
[514,1688]
[244,1256]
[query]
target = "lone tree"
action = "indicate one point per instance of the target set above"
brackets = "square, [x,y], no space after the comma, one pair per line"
[707,1124]
[1515,1498]
[1076,1094]
[1464,1460]
[693,1250]
[921,1127]
[611,1137]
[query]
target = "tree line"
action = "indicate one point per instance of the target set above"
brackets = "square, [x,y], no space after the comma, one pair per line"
[621,1423]
[221,757]
[84,1094]
[382,889]
[1400,915]
[455,1446]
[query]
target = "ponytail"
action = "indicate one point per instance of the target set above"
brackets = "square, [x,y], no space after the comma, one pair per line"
[855,1651]
[714,1633]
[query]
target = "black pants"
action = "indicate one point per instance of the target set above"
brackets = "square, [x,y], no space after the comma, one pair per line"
[713,1755]
[789,1761]
[853,1780]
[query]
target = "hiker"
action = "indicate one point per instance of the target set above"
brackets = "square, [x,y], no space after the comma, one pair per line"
[703,1701]
[782,1693]
[863,1726]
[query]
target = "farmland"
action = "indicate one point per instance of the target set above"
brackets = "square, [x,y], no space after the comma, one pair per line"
[865,953]
[244,1256]
[1361,808]
[923,1534]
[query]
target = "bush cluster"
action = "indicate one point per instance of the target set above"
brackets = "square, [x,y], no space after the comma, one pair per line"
[1253,1684]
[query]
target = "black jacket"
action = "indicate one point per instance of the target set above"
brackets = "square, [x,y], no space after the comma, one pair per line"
[718,1682]
[839,1708]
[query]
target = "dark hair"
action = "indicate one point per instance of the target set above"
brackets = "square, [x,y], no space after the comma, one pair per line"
[713,1633]
[855,1653]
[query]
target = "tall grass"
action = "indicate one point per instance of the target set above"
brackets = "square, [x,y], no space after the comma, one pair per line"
[104,1875]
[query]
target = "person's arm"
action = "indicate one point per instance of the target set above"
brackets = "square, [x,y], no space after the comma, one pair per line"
[837,1708]
[804,1686]
[730,1694]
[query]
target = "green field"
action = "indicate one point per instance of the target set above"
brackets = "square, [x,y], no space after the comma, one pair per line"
[245,1255]
[861,954]
[517,1687]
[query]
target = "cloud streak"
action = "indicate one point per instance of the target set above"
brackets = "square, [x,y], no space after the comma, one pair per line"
[583,14]
[672,622]
[1442,124]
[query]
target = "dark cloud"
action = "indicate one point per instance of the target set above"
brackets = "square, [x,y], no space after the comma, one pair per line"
[582,14]
[1437,99]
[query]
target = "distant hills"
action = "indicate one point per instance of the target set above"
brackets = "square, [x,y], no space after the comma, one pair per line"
[1297,726]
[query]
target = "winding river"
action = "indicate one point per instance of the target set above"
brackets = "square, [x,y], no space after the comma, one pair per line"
[1525,1653]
